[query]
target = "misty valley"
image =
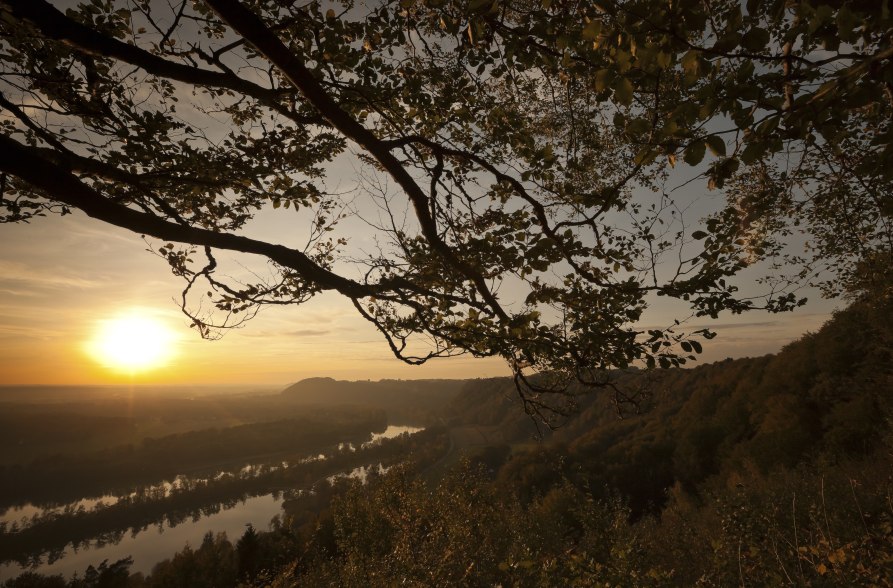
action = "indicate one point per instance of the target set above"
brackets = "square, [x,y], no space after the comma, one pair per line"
[235,460]
[775,468]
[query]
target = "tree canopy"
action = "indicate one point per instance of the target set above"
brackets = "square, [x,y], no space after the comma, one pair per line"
[517,160]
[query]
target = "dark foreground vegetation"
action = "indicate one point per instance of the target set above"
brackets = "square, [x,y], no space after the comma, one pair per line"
[768,471]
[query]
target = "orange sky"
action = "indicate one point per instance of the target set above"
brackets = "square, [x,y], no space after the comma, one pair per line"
[60,277]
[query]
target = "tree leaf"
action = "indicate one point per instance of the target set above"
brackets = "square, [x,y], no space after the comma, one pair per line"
[638,127]
[645,155]
[753,152]
[623,91]
[592,30]
[755,39]
[694,153]
[717,145]
[602,79]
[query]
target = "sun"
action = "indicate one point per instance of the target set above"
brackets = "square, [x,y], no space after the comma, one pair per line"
[134,342]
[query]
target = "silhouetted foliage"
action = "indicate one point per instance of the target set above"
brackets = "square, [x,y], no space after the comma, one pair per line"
[513,160]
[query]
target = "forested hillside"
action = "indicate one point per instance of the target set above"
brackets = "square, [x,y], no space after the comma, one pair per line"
[401,399]
[827,394]
[764,471]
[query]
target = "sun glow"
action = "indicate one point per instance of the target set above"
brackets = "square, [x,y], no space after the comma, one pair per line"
[132,343]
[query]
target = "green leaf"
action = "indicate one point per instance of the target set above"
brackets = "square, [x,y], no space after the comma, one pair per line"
[728,42]
[846,22]
[623,91]
[717,145]
[745,72]
[602,79]
[637,127]
[548,154]
[822,15]
[694,153]
[645,156]
[592,30]
[645,57]
[690,62]
[698,235]
[753,152]
[623,59]
[686,346]
[697,346]
[768,125]
[755,39]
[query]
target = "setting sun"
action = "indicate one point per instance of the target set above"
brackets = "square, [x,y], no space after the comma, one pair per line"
[132,343]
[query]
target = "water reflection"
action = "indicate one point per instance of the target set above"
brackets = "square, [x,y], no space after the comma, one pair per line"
[26,514]
[151,545]
[391,432]
[361,473]
[22,516]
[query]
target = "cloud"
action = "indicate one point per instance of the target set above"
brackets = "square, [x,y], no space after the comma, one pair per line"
[798,322]
[307,333]
[726,326]
[20,332]
[297,333]
[11,271]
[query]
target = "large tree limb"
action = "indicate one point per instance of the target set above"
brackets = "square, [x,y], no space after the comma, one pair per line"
[28,164]
[55,25]
[51,173]
[247,24]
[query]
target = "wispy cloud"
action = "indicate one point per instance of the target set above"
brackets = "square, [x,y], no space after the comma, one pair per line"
[19,332]
[11,271]
[727,326]
[307,333]
[296,333]
[797,321]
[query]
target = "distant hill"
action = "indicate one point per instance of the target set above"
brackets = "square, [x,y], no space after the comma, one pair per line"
[401,399]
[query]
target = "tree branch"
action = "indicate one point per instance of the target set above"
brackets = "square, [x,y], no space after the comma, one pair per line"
[247,24]
[28,164]
[55,25]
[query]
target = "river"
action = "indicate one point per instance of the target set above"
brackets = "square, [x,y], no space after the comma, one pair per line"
[149,546]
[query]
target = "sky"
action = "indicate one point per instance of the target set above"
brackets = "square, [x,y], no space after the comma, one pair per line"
[63,278]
